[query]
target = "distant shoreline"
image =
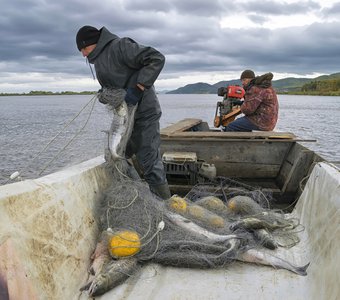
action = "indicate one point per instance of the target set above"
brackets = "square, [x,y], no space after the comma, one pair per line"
[43,93]
[47,93]
[325,85]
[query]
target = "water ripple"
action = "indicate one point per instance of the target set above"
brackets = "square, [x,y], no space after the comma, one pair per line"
[27,124]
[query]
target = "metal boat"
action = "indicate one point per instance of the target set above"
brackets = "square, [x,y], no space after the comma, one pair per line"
[48,230]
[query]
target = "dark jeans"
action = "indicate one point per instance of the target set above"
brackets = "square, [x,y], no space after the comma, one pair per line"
[241,124]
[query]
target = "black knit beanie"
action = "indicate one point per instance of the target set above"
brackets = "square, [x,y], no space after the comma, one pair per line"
[86,36]
[247,74]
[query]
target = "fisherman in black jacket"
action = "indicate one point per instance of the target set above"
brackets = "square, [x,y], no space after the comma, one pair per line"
[123,63]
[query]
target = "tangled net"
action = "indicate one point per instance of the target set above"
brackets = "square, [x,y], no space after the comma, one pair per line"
[211,226]
[129,205]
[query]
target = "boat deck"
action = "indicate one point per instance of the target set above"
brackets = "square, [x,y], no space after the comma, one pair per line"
[275,161]
[48,232]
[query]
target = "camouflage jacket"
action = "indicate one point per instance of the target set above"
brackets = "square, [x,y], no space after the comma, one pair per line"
[260,103]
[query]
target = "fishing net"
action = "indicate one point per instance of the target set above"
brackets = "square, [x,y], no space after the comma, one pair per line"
[177,231]
[209,227]
[129,206]
[248,207]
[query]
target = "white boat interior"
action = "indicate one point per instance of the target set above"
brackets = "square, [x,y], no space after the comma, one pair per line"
[48,232]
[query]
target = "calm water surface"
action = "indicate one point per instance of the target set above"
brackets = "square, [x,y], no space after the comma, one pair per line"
[29,123]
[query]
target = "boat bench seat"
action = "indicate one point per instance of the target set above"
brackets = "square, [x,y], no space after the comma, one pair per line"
[195,128]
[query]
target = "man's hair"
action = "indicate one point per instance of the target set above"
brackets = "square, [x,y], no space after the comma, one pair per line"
[247,74]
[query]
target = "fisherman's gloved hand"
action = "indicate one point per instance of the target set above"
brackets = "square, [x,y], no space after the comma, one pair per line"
[101,97]
[133,95]
[111,96]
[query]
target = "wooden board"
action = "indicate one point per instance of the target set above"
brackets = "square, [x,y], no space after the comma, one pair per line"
[233,135]
[251,170]
[182,125]
[182,130]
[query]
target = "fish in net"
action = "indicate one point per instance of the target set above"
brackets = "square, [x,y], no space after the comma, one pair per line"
[213,225]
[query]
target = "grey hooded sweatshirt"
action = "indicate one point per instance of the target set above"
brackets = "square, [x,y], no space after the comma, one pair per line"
[122,63]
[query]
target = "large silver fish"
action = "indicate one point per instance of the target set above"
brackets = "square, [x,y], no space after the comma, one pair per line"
[256,223]
[101,255]
[107,273]
[112,274]
[265,238]
[251,255]
[192,227]
[264,258]
[99,259]
[122,122]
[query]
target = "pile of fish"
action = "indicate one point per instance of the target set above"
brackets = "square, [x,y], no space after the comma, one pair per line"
[206,233]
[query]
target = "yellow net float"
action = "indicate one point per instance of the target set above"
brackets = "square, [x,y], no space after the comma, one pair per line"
[212,203]
[232,204]
[197,212]
[216,222]
[177,204]
[204,216]
[124,243]
[244,205]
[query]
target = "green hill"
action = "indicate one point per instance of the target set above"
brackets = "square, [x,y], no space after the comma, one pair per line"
[195,88]
[289,84]
[321,85]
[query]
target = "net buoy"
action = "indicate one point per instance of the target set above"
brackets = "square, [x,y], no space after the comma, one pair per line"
[124,243]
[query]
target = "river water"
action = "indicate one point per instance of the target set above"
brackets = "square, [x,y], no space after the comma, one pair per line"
[28,124]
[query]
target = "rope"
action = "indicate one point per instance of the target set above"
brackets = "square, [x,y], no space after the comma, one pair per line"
[24,170]
[72,139]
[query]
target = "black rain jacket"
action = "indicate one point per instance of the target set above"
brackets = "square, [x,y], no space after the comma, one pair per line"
[122,63]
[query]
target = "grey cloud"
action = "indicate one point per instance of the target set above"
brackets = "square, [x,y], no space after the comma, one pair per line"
[334,10]
[148,6]
[257,19]
[41,37]
[299,50]
[267,7]
[202,7]
[188,7]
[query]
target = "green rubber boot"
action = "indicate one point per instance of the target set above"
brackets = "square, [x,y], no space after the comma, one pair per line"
[161,190]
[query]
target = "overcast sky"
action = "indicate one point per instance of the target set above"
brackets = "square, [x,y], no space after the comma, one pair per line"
[202,40]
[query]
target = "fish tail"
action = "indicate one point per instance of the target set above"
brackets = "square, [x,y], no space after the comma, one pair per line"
[302,270]
[260,257]
[85,287]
